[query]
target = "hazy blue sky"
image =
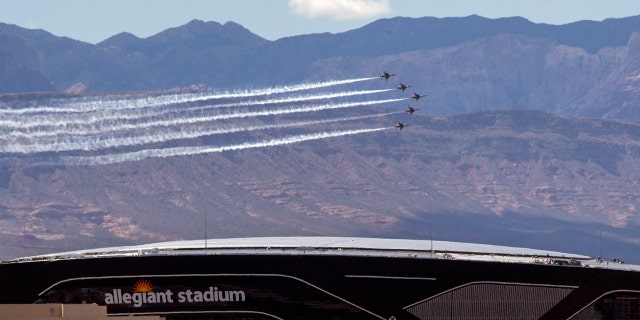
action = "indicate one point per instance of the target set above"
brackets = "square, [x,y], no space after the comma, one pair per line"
[95,20]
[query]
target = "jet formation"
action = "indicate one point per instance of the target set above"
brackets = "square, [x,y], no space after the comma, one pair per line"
[402,87]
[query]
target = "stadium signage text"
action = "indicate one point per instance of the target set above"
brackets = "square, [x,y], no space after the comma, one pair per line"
[142,295]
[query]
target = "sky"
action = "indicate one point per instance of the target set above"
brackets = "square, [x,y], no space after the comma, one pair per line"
[96,20]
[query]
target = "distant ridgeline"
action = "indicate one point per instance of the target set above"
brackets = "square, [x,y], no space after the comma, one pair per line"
[489,63]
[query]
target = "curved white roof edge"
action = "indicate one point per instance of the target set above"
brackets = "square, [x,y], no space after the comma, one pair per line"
[314,244]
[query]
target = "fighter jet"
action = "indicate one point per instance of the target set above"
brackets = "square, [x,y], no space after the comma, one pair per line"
[401,125]
[402,87]
[416,96]
[411,110]
[385,75]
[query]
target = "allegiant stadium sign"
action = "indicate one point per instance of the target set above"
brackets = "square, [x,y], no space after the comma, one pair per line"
[143,293]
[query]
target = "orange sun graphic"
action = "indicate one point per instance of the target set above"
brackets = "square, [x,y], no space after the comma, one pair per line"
[143,286]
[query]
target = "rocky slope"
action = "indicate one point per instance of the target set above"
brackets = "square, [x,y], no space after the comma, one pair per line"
[505,177]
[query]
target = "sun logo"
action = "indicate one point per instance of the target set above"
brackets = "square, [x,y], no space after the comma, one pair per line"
[143,286]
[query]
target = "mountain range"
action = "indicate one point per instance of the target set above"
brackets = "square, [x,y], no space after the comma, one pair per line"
[586,68]
[529,137]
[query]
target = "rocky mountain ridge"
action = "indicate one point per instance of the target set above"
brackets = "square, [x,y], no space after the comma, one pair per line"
[518,177]
[586,68]
[529,137]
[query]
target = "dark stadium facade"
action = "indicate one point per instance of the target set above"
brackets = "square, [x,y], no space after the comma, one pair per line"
[328,278]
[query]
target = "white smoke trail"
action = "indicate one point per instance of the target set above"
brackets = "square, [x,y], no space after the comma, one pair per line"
[283,89]
[104,127]
[182,151]
[95,143]
[98,103]
[24,123]
[176,99]
[323,96]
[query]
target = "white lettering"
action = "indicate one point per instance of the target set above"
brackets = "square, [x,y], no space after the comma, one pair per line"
[197,296]
[189,293]
[169,297]
[139,299]
[237,295]
[208,295]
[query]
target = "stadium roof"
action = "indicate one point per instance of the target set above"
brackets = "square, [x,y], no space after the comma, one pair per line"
[319,245]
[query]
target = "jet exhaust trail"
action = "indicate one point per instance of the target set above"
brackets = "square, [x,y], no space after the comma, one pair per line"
[33,121]
[119,126]
[183,151]
[41,134]
[177,99]
[95,143]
